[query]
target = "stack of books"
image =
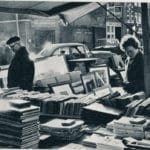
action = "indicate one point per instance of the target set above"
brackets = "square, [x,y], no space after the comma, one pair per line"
[63,105]
[120,102]
[147,132]
[104,132]
[54,105]
[110,125]
[133,107]
[19,125]
[74,146]
[73,107]
[98,113]
[130,127]
[103,142]
[92,140]
[62,129]
[110,143]
[137,144]
[37,98]
[143,108]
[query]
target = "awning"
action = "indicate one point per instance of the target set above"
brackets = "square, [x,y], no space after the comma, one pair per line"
[42,8]
[73,14]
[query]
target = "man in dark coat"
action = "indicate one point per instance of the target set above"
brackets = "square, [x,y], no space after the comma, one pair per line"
[21,69]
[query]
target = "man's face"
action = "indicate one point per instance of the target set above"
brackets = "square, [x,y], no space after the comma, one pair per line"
[15,46]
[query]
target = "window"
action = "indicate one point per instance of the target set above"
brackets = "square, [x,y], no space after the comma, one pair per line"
[112,29]
[111,4]
[118,9]
[45,52]
[62,50]
[108,28]
[112,9]
[81,49]
[108,36]
[56,52]
[74,50]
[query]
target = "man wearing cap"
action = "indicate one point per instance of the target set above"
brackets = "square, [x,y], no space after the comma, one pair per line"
[21,69]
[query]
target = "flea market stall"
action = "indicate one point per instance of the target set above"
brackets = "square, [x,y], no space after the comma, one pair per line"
[79,108]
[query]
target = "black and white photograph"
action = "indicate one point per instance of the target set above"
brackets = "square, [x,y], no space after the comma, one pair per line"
[62,88]
[75,75]
[89,82]
[102,74]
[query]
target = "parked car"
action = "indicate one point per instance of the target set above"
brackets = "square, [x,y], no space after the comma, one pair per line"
[106,57]
[70,50]
[110,48]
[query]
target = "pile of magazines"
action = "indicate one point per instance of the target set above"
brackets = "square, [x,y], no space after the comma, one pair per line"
[19,124]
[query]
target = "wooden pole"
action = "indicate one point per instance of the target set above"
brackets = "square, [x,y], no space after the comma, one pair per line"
[146,41]
[17,25]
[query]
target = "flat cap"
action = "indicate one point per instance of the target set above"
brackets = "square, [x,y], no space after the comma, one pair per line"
[12,40]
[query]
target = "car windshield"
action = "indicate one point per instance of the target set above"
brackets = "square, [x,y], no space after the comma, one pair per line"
[48,51]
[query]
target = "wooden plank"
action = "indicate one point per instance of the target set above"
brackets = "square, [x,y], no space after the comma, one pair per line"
[146,41]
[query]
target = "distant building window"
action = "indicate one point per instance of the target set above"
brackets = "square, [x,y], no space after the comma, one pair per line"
[108,36]
[111,4]
[112,9]
[112,28]
[108,28]
[118,9]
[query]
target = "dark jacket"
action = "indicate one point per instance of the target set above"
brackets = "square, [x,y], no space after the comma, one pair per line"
[21,70]
[135,74]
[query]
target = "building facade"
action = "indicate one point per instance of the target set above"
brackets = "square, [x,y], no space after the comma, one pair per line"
[125,15]
[88,29]
[113,26]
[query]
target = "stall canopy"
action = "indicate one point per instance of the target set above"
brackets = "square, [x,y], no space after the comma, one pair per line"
[75,13]
[42,8]
[67,11]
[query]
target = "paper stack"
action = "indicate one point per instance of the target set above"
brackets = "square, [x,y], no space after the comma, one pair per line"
[147,132]
[130,127]
[69,129]
[110,125]
[75,146]
[35,98]
[137,144]
[110,143]
[104,132]
[19,125]
[103,142]
[91,141]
